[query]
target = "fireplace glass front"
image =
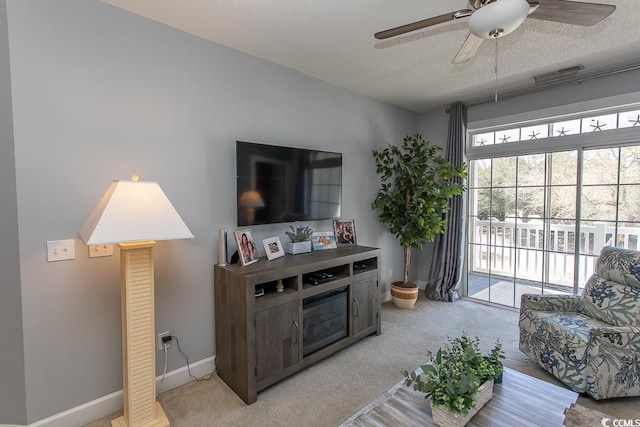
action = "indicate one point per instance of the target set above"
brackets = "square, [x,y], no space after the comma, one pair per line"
[324,320]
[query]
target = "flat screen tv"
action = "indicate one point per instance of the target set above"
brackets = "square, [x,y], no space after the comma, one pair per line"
[283,184]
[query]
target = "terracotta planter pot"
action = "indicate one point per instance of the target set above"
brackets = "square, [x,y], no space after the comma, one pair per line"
[404,297]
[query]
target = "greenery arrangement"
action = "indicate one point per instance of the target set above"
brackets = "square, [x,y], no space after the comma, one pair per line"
[299,234]
[416,185]
[453,376]
[494,359]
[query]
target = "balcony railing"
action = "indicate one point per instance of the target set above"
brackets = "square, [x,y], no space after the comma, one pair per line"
[543,253]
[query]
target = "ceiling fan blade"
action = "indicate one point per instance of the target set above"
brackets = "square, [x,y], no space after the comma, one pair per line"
[572,12]
[403,29]
[468,49]
[533,6]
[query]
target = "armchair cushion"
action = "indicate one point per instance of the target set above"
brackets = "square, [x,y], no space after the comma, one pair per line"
[619,265]
[611,302]
[562,331]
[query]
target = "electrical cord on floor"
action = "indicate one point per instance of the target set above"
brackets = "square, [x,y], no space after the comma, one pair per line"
[173,337]
[166,357]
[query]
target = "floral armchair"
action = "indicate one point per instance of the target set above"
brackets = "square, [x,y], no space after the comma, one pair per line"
[590,342]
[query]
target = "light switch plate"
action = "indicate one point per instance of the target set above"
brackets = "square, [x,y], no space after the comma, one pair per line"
[60,250]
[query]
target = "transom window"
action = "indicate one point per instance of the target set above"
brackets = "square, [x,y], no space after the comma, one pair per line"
[558,128]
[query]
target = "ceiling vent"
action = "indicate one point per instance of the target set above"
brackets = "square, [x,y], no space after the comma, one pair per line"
[558,76]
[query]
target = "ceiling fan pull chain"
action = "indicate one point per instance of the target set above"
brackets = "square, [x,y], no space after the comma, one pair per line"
[496,71]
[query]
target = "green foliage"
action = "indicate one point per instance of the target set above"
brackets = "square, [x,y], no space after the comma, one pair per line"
[494,359]
[493,203]
[416,185]
[299,234]
[453,376]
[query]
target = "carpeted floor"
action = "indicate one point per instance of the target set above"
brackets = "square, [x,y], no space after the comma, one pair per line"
[332,390]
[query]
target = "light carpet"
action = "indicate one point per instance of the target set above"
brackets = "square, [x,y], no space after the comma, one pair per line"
[579,416]
[332,390]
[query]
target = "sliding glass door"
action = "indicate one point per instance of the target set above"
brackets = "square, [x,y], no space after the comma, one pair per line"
[537,222]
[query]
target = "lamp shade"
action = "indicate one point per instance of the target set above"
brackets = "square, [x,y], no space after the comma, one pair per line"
[251,199]
[498,18]
[133,211]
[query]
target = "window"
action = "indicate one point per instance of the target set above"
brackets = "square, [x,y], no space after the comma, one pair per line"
[560,128]
[539,212]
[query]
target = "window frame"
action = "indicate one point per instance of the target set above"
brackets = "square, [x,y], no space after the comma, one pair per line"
[611,138]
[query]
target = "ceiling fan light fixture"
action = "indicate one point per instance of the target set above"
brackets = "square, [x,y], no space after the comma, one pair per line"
[498,18]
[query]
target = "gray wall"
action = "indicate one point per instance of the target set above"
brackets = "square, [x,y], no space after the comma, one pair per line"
[434,127]
[12,385]
[578,95]
[99,94]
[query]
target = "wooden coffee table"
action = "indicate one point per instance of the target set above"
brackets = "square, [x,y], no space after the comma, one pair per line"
[520,400]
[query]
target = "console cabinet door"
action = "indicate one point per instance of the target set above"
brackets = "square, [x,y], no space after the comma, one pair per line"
[364,304]
[277,343]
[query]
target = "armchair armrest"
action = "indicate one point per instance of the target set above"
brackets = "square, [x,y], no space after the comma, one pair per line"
[612,360]
[546,302]
[627,337]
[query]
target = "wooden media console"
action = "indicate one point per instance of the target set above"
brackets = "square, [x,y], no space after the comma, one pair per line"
[330,300]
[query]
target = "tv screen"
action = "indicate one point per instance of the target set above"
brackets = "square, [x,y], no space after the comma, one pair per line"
[282,184]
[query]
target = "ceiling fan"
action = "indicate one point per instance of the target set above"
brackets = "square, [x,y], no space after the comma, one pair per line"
[489,19]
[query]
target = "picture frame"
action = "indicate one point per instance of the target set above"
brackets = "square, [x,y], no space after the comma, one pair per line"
[345,232]
[322,240]
[273,248]
[247,251]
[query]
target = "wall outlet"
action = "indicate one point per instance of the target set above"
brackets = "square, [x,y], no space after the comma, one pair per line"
[160,343]
[60,250]
[390,274]
[96,251]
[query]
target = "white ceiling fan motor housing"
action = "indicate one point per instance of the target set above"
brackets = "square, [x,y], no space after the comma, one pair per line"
[498,18]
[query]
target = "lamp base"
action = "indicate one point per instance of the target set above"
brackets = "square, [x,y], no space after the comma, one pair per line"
[160,420]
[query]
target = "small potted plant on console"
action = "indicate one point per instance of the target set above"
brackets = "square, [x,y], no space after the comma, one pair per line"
[300,240]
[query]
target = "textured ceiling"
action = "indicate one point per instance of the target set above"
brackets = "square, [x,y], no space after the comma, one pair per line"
[332,40]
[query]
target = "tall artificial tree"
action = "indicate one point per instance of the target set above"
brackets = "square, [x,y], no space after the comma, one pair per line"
[416,185]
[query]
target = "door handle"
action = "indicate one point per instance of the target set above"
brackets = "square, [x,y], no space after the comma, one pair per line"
[295,335]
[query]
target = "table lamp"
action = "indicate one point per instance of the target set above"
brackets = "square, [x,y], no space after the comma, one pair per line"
[134,214]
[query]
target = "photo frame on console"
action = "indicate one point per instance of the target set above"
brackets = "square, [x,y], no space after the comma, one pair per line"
[247,251]
[273,248]
[322,240]
[345,231]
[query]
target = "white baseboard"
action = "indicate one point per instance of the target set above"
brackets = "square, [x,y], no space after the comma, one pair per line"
[181,376]
[386,297]
[103,406]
